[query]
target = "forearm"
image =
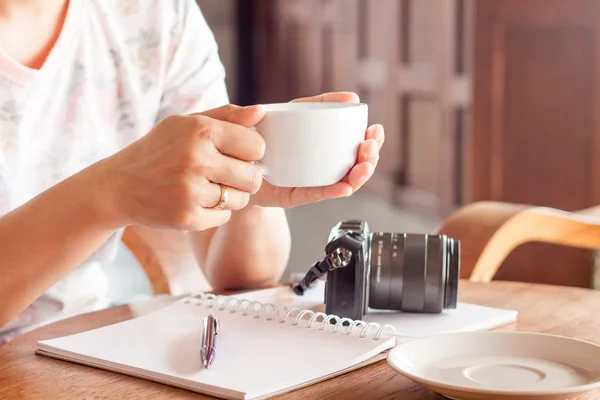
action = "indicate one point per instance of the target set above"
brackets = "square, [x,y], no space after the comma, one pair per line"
[250,251]
[46,238]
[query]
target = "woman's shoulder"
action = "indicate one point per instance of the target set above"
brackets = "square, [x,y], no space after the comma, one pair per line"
[149,34]
[132,8]
[167,17]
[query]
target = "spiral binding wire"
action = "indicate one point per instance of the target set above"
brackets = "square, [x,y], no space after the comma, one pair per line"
[283,313]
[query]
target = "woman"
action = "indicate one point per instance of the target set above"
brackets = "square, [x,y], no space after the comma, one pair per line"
[115,113]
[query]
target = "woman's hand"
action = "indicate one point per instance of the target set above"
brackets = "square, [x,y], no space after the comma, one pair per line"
[170,178]
[368,156]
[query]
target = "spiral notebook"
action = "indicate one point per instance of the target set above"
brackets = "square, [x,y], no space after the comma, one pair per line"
[465,317]
[263,348]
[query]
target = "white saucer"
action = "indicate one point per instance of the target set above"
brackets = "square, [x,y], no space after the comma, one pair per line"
[500,365]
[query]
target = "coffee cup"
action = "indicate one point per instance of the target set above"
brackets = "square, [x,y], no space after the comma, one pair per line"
[311,144]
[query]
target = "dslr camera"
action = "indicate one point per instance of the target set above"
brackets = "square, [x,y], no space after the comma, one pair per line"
[385,271]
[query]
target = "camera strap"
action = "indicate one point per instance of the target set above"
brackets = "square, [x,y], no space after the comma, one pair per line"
[340,257]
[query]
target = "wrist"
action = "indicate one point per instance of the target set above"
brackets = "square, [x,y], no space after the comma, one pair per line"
[101,190]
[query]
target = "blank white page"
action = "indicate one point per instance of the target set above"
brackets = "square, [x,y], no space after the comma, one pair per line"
[254,357]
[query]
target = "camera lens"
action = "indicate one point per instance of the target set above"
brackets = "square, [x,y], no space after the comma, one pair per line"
[413,272]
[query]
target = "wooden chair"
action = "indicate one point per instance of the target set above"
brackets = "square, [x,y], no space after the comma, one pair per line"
[491,231]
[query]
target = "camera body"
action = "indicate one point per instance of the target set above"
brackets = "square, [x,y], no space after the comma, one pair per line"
[385,271]
[346,288]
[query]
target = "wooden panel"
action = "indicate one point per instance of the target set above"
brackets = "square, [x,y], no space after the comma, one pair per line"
[341,48]
[424,135]
[428,80]
[423,140]
[535,102]
[546,263]
[424,31]
[542,146]
[305,62]
[305,47]
[381,58]
[418,79]
[535,120]
[449,152]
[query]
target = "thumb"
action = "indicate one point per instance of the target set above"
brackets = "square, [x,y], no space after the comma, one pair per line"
[245,116]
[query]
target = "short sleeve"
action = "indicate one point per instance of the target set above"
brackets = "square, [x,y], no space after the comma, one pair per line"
[195,77]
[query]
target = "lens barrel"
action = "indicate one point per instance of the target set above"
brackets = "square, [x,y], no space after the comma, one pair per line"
[413,272]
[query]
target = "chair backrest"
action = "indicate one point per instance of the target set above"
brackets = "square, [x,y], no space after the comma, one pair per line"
[475,225]
[552,246]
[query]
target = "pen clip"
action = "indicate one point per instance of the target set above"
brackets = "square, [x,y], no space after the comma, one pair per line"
[216,325]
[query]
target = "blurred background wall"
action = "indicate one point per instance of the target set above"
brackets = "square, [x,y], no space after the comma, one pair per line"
[480,100]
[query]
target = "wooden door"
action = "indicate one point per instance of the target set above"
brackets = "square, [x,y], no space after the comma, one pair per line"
[413,71]
[405,58]
[299,44]
[307,47]
[536,120]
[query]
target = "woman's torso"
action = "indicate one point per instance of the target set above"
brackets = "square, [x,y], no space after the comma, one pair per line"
[99,90]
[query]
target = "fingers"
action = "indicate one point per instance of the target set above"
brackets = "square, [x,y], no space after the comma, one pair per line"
[369,149]
[356,178]
[228,129]
[376,133]
[360,174]
[245,116]
[234,199]
[208,205]
[336,97]
[368,152]
[300,196]
[235,140]
[238,174]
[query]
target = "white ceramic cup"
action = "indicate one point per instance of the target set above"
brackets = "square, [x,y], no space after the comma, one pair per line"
[311,144]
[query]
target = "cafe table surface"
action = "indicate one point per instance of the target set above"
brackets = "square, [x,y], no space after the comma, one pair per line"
[558,310]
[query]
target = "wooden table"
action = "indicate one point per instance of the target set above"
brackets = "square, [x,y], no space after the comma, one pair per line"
[559,310]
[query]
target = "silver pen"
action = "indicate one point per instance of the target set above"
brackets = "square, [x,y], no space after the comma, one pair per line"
[208,351]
